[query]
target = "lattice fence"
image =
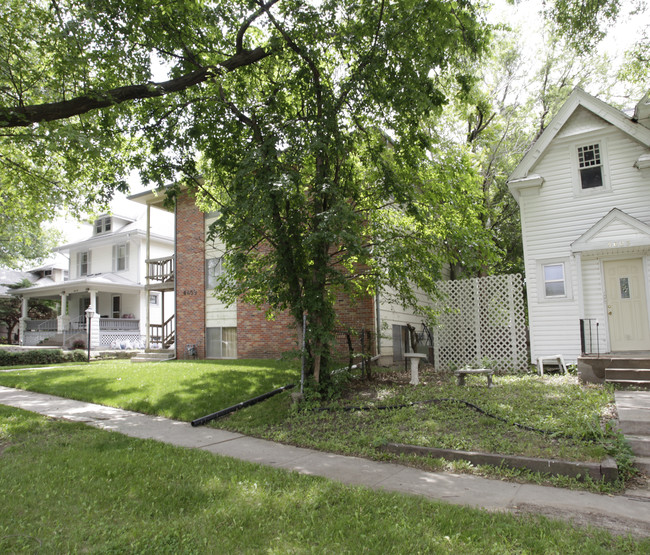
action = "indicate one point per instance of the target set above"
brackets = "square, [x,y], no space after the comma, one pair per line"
[481,320]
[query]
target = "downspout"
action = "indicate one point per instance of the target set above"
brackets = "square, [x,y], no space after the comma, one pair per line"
[378,323]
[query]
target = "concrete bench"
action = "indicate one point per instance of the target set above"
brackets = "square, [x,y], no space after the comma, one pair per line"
[460,374]
[555,359]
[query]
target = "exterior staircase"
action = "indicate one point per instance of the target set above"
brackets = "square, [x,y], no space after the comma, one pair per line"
[631,369]
[634,421]
[154,355]
[634,372]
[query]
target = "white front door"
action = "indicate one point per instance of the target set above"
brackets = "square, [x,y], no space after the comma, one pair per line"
[627,309]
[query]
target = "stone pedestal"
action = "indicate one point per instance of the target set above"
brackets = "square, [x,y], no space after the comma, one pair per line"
[415,359]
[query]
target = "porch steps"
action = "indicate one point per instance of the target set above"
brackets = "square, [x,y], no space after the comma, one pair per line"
[158,355]
[633,376]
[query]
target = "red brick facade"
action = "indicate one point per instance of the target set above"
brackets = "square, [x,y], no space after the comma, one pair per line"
[257,337]
[190,277]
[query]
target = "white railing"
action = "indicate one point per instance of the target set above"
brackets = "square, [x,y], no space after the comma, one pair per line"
[40,325]
[120,324]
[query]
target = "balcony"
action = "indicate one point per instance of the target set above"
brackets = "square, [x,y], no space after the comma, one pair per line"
[160,274]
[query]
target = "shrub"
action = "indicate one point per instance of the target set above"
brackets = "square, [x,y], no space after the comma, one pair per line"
[78,344]
[38,356]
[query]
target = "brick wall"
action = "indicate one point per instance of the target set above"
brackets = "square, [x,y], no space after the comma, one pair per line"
[258,337]
[190,276]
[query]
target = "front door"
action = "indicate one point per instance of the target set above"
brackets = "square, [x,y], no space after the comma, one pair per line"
[627,309]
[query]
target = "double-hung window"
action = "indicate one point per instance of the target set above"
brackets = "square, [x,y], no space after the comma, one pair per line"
[83,263]
[554,281]
[590,166]
[120,257]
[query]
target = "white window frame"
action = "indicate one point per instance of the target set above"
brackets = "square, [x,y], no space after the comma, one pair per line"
[604,167]
[154,299]
[541,280]
[103,225]
[81,264]
[117,257]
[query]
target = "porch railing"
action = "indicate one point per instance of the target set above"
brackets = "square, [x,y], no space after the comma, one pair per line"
[118,324]
[163,334]
[161,269]
[589,336]
[41,325]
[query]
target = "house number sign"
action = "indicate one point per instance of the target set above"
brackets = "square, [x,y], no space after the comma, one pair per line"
[190,292]
[615,244]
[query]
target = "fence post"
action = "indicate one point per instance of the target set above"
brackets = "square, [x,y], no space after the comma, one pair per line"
[511,320]
[477,320]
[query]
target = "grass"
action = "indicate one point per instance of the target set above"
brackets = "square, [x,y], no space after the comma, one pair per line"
[182,390]
[574,415]
[69,488]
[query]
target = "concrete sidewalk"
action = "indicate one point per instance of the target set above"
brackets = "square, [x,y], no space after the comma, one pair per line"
[626,513]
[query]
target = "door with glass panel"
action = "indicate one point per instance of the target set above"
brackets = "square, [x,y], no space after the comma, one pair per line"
[627,309]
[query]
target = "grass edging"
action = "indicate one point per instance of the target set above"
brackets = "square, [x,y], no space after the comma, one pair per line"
[606,470]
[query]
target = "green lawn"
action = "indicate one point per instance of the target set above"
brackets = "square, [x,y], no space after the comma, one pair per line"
[574,415]
[69,488]
[183,390]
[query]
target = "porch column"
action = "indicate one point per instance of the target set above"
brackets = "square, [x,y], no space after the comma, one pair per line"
[22,324]
[95,334]
[63,320]
[147,320]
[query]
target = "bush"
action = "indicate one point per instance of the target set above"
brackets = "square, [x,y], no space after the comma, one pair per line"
[39,356]
[78,344]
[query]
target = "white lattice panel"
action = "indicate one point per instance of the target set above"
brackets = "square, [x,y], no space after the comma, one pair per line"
[481,321]
[121,339]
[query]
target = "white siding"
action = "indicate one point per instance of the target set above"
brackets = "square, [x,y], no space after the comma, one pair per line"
[394,314]
[217,314]
[559,212]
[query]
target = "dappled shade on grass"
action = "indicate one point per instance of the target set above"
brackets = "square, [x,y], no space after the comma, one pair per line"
[67,487]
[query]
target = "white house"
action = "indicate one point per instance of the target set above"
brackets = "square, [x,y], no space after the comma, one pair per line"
[108,272]
[583,191]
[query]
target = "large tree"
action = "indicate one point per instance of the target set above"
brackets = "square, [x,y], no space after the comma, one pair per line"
[303,117]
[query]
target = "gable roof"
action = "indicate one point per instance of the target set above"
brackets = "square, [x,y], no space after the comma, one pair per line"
[615,227]
[601,109]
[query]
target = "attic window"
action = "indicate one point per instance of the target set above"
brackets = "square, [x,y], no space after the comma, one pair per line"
[102,225]
[590,165]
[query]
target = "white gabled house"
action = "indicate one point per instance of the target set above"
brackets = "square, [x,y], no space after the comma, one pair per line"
[107,271]
[583,190]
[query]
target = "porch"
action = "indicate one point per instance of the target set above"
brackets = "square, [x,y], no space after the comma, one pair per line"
[113,333]
[598,365]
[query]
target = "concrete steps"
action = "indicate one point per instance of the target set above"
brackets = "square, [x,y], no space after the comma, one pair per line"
[634,421]
[629,372]
[158,355]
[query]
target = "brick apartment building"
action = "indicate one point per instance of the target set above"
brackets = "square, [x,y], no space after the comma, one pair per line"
[215,330]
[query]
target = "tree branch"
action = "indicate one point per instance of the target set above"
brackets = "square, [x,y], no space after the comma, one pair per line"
[24,116]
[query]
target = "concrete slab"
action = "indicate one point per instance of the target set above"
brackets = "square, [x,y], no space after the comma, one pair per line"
[259,451]
[344,469]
